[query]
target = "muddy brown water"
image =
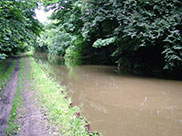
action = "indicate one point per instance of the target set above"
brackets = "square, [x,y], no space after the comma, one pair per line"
[123,105]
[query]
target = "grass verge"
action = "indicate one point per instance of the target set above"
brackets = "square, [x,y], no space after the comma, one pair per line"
[5,74]
[17,102]
[60,110]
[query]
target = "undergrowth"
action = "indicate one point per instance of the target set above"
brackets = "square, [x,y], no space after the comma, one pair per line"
[60,110]
[17,102]
[6,72]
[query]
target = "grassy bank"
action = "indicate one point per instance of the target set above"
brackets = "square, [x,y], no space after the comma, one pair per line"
[17,102]
[60,110]
[6,72]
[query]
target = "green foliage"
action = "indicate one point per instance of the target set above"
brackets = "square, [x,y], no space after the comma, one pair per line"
[132,33]
[73,54]
[55,41]
[2,56]
[59,43]
[148,33]
[6,72]
[137,34]
[99,43]
[17,25]
[63,36]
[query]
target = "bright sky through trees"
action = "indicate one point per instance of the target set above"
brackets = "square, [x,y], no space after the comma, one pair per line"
[42,16]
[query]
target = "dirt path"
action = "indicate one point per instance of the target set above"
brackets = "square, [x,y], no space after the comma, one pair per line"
[34,121]
[7,99]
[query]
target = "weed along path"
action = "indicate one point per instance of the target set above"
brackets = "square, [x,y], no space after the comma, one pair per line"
[31,118]
[7,99]
[27,119]
[33,104]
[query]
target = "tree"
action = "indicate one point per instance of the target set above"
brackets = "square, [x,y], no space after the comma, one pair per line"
[17,25]
[144,33]
[138,34]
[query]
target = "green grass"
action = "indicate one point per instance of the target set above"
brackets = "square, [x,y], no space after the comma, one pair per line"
[54,97]
[17,102]
[5,74]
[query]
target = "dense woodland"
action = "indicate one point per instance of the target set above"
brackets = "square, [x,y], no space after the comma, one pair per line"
[141,35]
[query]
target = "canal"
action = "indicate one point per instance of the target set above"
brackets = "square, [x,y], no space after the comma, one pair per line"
[118,104]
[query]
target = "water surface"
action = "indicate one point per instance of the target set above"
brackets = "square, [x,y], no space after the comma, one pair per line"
[123,105]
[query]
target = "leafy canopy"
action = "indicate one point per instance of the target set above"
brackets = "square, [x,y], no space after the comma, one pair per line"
[17,25]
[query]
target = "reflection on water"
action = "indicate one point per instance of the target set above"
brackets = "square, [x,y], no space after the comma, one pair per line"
[121,105]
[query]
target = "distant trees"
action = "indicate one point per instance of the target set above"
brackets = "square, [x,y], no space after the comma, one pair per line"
[63,35]
[18,27]
[137,34]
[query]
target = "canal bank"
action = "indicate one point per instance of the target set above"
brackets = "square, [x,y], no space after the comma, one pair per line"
[122,104]
[39,106]
[59,106]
